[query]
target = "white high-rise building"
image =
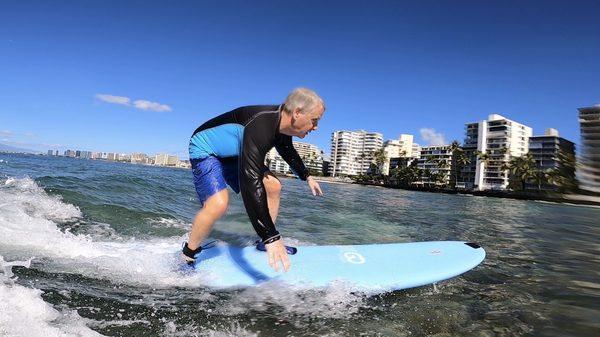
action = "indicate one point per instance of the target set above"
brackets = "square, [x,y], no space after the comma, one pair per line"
[311,155]
[352,151]
[416,151]
[140,158]
[502,139]
[588,173]
[436,159]
[396,148]
[164,159]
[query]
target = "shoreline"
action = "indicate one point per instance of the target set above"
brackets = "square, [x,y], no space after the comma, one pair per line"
[574,199]
[569,199]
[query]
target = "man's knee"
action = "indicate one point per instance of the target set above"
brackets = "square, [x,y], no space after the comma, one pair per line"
[217,203]
[272,185]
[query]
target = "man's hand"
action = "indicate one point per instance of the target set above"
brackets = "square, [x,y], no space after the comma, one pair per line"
[314,186]
[278,254]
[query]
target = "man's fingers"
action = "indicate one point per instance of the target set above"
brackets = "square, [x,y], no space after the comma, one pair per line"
[286,263]
[272,261]
[317,190]
[278,255]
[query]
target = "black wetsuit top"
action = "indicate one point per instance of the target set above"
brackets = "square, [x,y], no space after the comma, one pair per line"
[254,130]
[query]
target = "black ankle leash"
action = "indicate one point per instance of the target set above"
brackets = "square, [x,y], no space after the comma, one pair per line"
[191,253]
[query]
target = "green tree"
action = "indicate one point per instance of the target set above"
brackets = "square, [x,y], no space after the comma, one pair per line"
[563,176]
[454,149]
[484,157]
[407,176]
[461,161]
[520,170]
[539,178]
[379,158]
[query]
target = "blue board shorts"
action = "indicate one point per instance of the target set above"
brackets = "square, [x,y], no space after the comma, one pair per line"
[212,174]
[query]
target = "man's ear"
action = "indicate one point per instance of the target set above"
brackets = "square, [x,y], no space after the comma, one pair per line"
[296,114]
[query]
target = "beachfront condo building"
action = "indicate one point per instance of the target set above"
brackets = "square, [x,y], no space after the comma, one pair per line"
[397,148]
[311,155]
[352,151]
[498,139]
[548,151]
[139,158]
[416,151]
[588,172]
[164,159]
[436,163]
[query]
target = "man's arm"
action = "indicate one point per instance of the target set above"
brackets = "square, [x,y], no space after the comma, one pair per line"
[257,139]
[285,148]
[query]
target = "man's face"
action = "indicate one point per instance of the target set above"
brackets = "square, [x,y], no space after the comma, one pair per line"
[305,122]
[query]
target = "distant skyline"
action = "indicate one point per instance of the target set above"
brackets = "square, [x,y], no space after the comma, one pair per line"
[140,76]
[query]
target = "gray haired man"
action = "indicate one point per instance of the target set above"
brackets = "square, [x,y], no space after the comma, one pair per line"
[230,149]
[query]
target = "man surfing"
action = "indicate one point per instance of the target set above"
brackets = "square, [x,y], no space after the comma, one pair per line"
[230,149]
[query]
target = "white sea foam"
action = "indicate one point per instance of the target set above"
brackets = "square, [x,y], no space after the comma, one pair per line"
[23,312]
[169,223]
[339,300]
[28,226]
[234,330]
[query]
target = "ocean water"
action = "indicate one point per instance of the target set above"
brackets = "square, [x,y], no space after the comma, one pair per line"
[89,248]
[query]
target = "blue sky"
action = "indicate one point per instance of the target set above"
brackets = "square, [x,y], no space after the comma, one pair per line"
[387,66]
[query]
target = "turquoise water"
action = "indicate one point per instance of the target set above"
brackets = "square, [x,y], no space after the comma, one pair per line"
[103,238]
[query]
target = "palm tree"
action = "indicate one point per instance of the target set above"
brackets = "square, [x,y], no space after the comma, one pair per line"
[521,169]
[455,149]
[362,157]
[563,176]
[483,156]
[455,145]
[462,160]
[380,157]
[440,179]
[539,178]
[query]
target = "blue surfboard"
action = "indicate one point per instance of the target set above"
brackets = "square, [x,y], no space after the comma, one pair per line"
[370,267]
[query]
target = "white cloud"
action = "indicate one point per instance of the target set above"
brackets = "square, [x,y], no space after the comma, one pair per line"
[431,137]
[114,99]
[141,104]
[10,134]
[35,146]
[153,106]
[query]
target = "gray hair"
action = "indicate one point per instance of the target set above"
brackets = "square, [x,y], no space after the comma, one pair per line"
[303,99]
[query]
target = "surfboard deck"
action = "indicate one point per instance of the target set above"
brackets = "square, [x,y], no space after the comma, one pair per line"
[372,267]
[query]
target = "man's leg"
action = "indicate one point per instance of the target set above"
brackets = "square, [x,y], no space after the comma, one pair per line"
[273,187]
[214,208]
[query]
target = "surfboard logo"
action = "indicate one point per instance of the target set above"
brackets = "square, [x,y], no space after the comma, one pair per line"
[354,257]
